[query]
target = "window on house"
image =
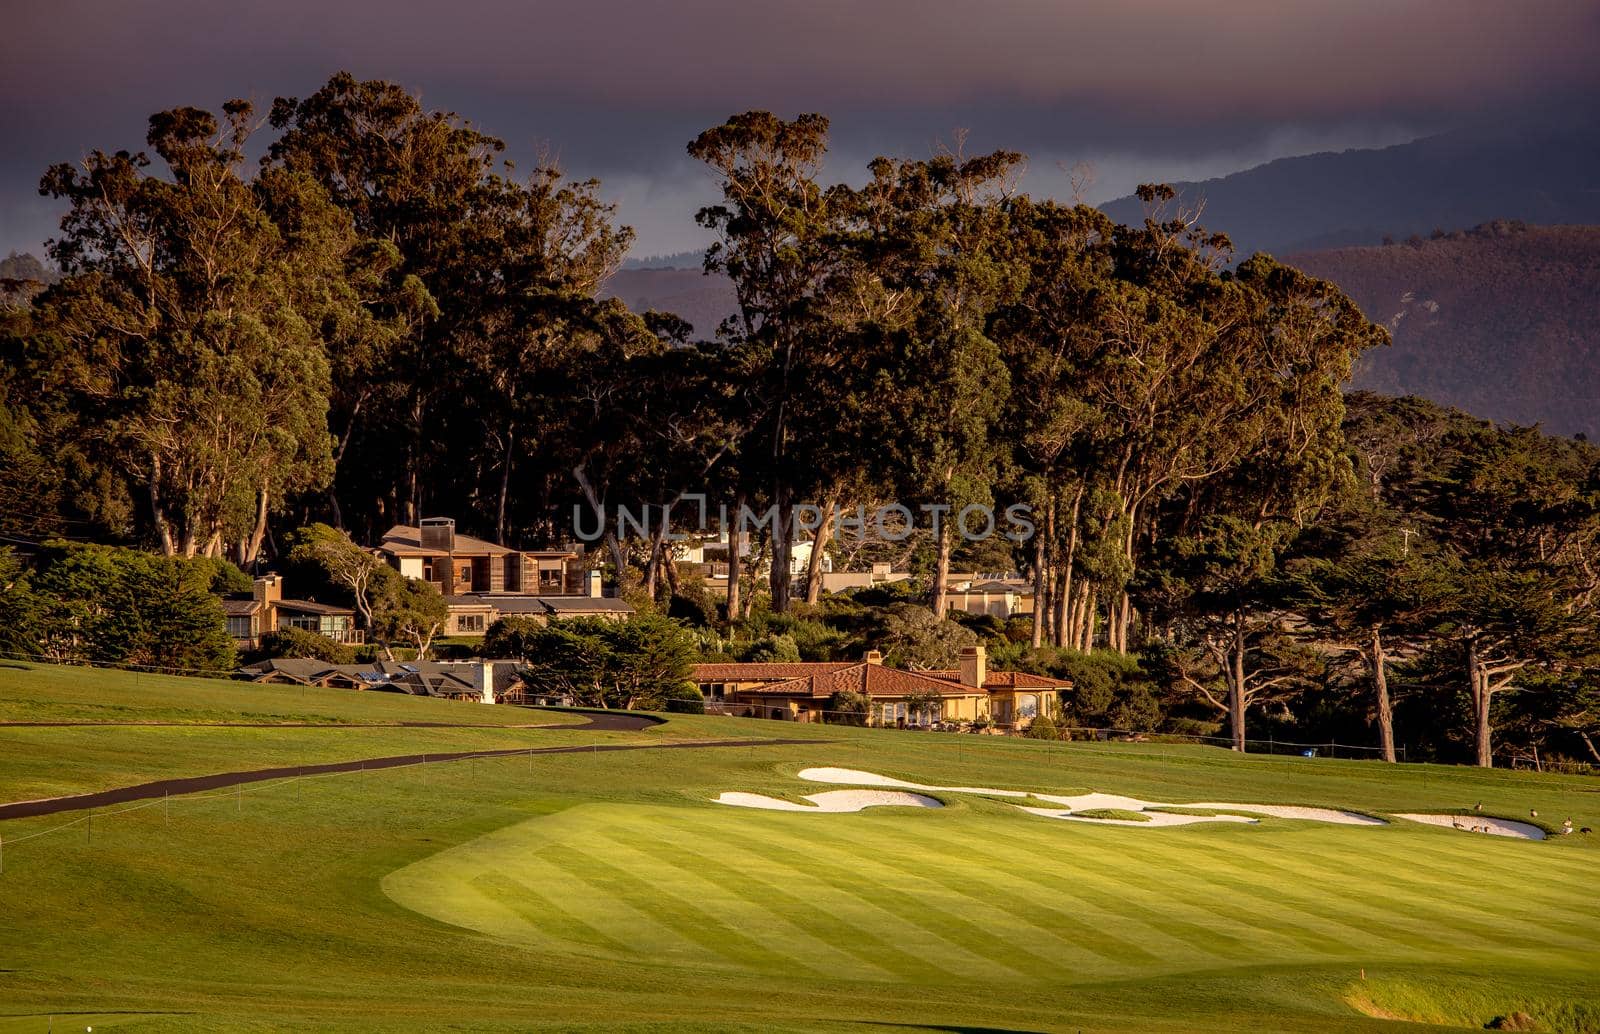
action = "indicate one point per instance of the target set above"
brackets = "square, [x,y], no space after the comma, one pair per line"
[308,622]
[469,623]
[240,628]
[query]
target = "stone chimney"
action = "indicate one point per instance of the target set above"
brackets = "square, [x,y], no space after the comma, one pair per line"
[438,533]
[268,589]
[874,657]
[974,666]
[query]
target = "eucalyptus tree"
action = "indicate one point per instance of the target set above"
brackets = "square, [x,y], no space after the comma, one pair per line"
[1219,391]
[411,180]
[933,235]
[1046,338]
[773,225]
[187,331]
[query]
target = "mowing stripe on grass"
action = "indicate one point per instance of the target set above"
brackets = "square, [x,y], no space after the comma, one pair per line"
[1074,942]
[945,934]
[1463,909]
[858,941]
[918,966]
[1360,926]
[1317,941]
[679,913]
[969,896]
[553,922]
[756,919]
[1121,894]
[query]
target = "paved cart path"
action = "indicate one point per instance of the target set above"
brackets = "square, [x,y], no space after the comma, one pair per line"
[220,780]
[598,721]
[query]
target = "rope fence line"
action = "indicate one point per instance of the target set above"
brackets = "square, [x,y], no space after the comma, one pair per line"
[980,727]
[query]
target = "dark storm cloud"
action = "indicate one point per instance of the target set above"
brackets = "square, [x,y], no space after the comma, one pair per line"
[1164,88]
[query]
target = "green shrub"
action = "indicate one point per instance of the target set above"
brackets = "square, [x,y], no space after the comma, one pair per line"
[685,700]
[773,649]
[298,642]
[1042,728]
[848,708]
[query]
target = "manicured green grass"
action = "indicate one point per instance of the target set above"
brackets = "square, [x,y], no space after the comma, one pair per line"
[605,891]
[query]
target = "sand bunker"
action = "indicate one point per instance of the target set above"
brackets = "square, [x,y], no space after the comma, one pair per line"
[1481,824]
[1097,801]
[1152,818]
[832,801]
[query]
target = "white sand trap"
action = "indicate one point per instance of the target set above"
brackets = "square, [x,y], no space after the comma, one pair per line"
[1289,811]
[832,801]
[1095,801]
[1481,824]
[860,778]
[1156,818]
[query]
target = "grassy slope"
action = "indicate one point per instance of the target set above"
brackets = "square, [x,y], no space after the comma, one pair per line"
[578,890]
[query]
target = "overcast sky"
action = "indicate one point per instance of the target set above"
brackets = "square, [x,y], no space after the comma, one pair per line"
[1140,89]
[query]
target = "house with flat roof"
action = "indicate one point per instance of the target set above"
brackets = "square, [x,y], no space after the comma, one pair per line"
[484,581]
[457,564]
[801,691]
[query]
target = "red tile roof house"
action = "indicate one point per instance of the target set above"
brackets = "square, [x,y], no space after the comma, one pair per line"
[800,691]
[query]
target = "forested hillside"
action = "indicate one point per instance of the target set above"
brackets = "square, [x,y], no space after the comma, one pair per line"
[1502,320]
[687,292]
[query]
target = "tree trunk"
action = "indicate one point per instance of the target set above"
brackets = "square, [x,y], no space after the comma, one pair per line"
[735,565]
[1065,603]
[941,572]
[1042,583]
[505,485]
[658,549]
[782,551]
[1236,689]
[158,515]
[669,568]
[252,545]
[1478,688]
[819,541]
[1090,603]
[1380,680]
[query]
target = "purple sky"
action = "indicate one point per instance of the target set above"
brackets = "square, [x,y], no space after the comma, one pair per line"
[1140,89]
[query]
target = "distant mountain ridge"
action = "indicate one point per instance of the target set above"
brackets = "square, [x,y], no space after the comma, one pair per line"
[1502,321]
[1462,178]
